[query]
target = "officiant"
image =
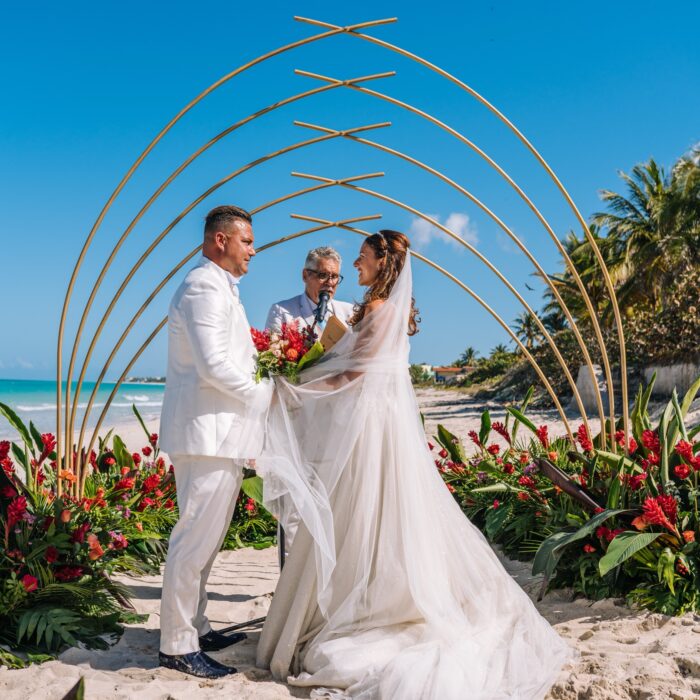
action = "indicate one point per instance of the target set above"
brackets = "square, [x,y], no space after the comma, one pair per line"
[321,273]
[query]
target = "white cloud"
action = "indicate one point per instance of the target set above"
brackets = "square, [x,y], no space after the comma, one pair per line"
[422,232]
[24,364]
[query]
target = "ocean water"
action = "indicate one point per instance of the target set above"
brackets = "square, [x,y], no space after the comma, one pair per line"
[35,400]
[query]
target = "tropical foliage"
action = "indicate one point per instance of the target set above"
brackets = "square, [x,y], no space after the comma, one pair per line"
[59,552]
[600,522]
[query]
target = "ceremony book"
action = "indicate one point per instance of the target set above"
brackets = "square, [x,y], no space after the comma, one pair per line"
[335,329]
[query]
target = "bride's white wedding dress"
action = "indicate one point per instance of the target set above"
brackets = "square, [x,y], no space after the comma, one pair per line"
[389,591]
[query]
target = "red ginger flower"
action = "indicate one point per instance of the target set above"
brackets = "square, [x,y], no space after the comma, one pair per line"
[650,440]
[543,437]
[150,483]
[527,481]
[501,430]
[7,466]
[682,471]
[16,510]
[583,439]
[261,339]
[475,438]
[655,513]
[669,505]
[137,459]
[4,448]
[125,484]
[153,439]
[685,450]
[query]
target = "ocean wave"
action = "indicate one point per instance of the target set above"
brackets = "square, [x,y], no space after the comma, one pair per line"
[136,397]
[52,406]
[146,403]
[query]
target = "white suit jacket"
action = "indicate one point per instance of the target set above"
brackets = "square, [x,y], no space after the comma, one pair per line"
[302,309]
[212,405]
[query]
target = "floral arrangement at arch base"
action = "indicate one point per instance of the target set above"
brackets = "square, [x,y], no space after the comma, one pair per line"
[58,553]
[604,523]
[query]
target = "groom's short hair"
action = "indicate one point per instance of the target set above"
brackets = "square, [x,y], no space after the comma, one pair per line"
[221,218]
[324,252]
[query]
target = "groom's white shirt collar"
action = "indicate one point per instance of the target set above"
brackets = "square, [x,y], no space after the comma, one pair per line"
[232,279]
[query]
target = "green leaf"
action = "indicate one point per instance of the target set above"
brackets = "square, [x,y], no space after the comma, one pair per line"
[690,397]
[253,488]
[521,418]
[15,421]
[663,429]
[494,488]
[680,417]
[523,408]
[496,518]
[625,545]
[485,429]
[77,692]
[124,458]
[451,443]
[665,568]
[313,354]
[143,425]
[37,437]
[550,551]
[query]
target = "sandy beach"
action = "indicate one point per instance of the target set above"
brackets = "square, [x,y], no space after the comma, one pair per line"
[624,654]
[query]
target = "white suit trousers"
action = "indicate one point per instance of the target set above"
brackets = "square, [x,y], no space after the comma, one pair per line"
[207,488]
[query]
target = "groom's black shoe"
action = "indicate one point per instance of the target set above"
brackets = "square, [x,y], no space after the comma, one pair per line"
[213,641]
[197,664]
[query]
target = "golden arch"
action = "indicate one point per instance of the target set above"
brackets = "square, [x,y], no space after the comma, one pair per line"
[69,456]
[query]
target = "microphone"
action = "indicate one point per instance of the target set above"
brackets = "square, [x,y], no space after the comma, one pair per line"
[320,311]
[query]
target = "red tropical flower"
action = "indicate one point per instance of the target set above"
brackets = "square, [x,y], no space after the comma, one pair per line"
[153,439]
[51,554]
[125,484]
[543,437]
[7,466]
[583,439]
[682,471]
[501,430]
[527,482]
[654,513]
[508,468]
[496,503]
[523,495]
[146,451]
[443,453]
[95,550]
[30,583]
[475,438]
[150,483]
[685,450]
[588,548]
[4,448]
[493,449]
[68,573]
[16,510]
[146,503]
[650,440]
[79,533]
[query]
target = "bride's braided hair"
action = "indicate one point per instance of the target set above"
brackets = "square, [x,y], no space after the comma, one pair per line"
[392,247]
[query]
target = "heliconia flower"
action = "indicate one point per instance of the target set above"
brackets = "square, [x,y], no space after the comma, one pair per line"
[501,430]
[650,440]
[583,439]
[588,548]
[543,437]
[682,471]
[30,583]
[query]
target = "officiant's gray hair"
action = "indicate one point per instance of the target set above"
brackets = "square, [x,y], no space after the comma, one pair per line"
[323,253]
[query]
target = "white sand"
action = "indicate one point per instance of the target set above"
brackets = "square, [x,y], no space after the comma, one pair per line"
[624,654]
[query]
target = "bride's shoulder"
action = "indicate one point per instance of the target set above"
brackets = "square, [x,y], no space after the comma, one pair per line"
[374,305]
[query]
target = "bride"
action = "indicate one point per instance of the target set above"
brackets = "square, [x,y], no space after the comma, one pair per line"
[388,591]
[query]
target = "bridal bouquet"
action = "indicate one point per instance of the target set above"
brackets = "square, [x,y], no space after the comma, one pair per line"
[285,352]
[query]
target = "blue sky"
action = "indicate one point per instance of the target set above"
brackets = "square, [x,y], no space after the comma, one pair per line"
[596,87]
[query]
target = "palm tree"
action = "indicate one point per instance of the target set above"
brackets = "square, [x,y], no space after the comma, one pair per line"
[527,330]
[500,349]
[467,358]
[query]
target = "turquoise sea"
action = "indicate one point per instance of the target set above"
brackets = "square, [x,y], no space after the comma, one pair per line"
[35,400]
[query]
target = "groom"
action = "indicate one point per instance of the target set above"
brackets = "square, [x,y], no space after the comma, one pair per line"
[212,422]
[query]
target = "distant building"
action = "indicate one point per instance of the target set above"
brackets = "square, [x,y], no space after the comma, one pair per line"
[450,374]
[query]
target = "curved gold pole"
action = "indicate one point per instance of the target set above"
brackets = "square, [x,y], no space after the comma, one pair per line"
[350,83]
[157,290]
[344,225]
[70,417]
[127,177]
[482,206]
[523,139]
[493,268]
[70,420]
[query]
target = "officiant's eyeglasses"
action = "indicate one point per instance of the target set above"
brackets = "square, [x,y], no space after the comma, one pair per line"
[326,276]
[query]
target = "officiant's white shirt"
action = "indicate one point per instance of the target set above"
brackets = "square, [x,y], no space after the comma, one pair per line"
[301,309]
[212,405]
